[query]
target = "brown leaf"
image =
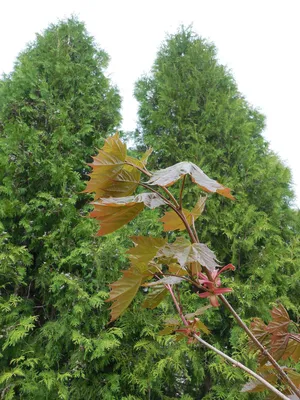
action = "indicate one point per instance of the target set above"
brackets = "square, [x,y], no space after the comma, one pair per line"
[185,253]
[293,348]
[168,176]
[124,290]
[280,320]
[114,212]
[173,222]
[279,342]
[155,297]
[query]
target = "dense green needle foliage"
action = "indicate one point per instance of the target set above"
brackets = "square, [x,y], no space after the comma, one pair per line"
[56,108]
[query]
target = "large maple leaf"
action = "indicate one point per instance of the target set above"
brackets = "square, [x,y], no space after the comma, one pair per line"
[114,212]
[168,176]
[114,173]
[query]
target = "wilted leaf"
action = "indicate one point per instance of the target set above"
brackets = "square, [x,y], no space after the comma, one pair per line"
[168,176]
[173,222]
[155,297]
[114,212]
[145,249]
[184,252]
[124,290]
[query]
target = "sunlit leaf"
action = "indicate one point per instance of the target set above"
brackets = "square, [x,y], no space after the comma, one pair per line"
[124,290]
[114,212]
[173,222]
[155,297]
[168,176]
[184,252]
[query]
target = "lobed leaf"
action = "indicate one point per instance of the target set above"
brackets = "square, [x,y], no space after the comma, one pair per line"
[145,250]
[124,290]
[185,253]
[280,320]
[114,212]
[168,176]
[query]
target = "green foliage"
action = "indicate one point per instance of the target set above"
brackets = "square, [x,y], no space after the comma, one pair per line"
[55,108]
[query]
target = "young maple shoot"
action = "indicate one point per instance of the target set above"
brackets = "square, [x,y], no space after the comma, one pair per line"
[161,266]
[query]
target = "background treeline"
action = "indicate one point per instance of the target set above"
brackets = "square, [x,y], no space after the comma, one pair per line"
[56,108]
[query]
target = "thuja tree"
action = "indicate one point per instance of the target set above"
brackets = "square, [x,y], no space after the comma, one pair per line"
[55,108]
[190,109]
[164,266]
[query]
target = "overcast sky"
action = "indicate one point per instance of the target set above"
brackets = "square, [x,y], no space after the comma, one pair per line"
[257,39]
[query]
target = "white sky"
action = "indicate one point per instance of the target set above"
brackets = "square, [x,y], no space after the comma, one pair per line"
[257,39]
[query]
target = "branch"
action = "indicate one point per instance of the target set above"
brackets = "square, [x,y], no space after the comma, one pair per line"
[181,192]
[220,353]
[275,364]
[242,366]
[265,352]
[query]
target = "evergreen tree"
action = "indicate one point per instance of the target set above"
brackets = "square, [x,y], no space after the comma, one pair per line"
[190,109]
[55,109]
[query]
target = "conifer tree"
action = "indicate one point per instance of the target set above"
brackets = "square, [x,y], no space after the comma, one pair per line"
[190,109]
[55,109]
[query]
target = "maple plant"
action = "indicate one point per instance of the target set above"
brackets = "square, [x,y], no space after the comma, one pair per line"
[162,266]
